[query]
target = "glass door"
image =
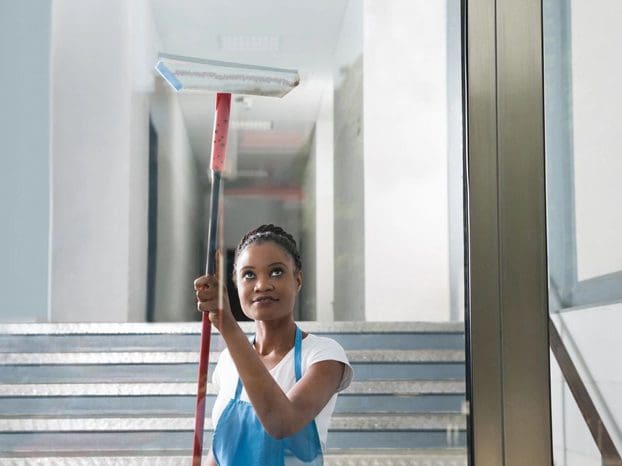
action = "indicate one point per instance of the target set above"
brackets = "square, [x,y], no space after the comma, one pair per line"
[363,163]
[582,97]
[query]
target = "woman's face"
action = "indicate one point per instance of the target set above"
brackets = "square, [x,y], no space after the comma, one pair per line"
[267,281]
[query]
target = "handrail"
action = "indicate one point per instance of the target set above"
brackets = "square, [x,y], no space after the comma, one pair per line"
[600,434]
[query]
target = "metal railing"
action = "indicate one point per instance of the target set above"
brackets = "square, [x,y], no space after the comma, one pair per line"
[598,430]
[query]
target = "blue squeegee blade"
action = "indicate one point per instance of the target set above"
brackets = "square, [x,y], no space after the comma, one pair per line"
[169,76]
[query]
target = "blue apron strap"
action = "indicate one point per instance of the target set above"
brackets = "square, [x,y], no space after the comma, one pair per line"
[238,390]
[297,354]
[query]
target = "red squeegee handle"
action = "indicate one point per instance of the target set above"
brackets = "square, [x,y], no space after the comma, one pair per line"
[219,148]
[221,131]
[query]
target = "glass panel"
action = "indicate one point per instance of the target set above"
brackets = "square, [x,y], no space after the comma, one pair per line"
[362,163]
[584,224]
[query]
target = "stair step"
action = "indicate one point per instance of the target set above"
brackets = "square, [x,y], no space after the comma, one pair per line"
[344,422]
[396,457]
[185,405]
[178,366]
[125,393]
[186,336]
[191,357]
[411,387]
[136,433]
[333,457]
[179,398]
[175,328]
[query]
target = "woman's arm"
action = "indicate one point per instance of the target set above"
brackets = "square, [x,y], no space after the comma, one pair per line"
[281,414]
[210,459]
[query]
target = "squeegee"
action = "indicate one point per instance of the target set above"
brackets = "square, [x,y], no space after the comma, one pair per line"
[188,74]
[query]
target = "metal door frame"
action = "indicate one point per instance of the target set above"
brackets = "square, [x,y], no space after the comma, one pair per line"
[508,297]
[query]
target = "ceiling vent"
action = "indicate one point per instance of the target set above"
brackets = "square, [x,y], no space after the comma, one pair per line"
[249,43]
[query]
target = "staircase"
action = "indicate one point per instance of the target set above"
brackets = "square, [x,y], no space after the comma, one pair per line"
[123,394]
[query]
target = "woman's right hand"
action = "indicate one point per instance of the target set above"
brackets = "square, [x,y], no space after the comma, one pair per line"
[211,295]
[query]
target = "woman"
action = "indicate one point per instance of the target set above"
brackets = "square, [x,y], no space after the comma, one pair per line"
[276,394]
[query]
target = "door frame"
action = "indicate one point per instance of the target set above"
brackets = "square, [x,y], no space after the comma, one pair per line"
[510,421]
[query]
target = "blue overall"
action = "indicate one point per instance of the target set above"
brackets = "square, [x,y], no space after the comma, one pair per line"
[241,440]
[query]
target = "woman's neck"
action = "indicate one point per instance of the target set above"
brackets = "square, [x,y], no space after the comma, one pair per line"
[274,337]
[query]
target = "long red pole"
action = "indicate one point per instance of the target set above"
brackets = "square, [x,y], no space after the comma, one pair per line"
[219,148]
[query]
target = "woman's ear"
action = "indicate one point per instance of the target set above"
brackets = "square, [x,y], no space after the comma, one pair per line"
[298,280]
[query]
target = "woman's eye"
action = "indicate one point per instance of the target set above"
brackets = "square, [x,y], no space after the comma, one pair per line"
[276,272]
[248,275]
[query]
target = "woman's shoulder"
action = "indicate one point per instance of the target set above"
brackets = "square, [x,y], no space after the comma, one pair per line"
[319,348]
[317,341]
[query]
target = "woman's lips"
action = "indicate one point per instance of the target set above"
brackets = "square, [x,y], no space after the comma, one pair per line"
[264,299]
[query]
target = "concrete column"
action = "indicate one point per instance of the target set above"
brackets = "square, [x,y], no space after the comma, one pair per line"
[25,160]
[324,211]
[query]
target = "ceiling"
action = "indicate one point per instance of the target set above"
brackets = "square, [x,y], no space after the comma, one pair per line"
[278,33]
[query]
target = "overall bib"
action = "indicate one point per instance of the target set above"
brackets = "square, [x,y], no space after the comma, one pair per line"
[241,440]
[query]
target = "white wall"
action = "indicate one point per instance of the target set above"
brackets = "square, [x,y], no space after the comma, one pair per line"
[348,176]
[324,211]
[596,126]
[318,218]
[101,50]
[405,140]
[24,160]
[180,227]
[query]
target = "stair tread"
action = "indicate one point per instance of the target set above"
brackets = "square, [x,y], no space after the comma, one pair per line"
[169,422]
[371,387]
[192,357]
[127,328]
[122,394]
[453,457]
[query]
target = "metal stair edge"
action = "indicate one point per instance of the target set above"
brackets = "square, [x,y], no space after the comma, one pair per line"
[192,357]
[102,328]
[357,387]
[129,423]
[453,457]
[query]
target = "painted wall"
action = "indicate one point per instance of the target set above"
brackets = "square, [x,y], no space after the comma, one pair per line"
[101,54]
[405,164]
[180,224]
[309,232]
[324,210]
[24,160]
[398,223]
[348,163]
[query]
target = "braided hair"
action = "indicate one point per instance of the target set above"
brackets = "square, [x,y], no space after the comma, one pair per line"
[273,233]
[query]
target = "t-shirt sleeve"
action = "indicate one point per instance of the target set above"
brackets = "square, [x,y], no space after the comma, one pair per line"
[327,349]
[217,370]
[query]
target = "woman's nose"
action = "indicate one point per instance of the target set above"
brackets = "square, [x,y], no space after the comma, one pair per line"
[263,283]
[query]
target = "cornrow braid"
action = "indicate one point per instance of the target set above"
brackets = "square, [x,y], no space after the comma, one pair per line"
[269,232]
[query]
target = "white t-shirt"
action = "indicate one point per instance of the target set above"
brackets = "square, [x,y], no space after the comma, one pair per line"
[314,349]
